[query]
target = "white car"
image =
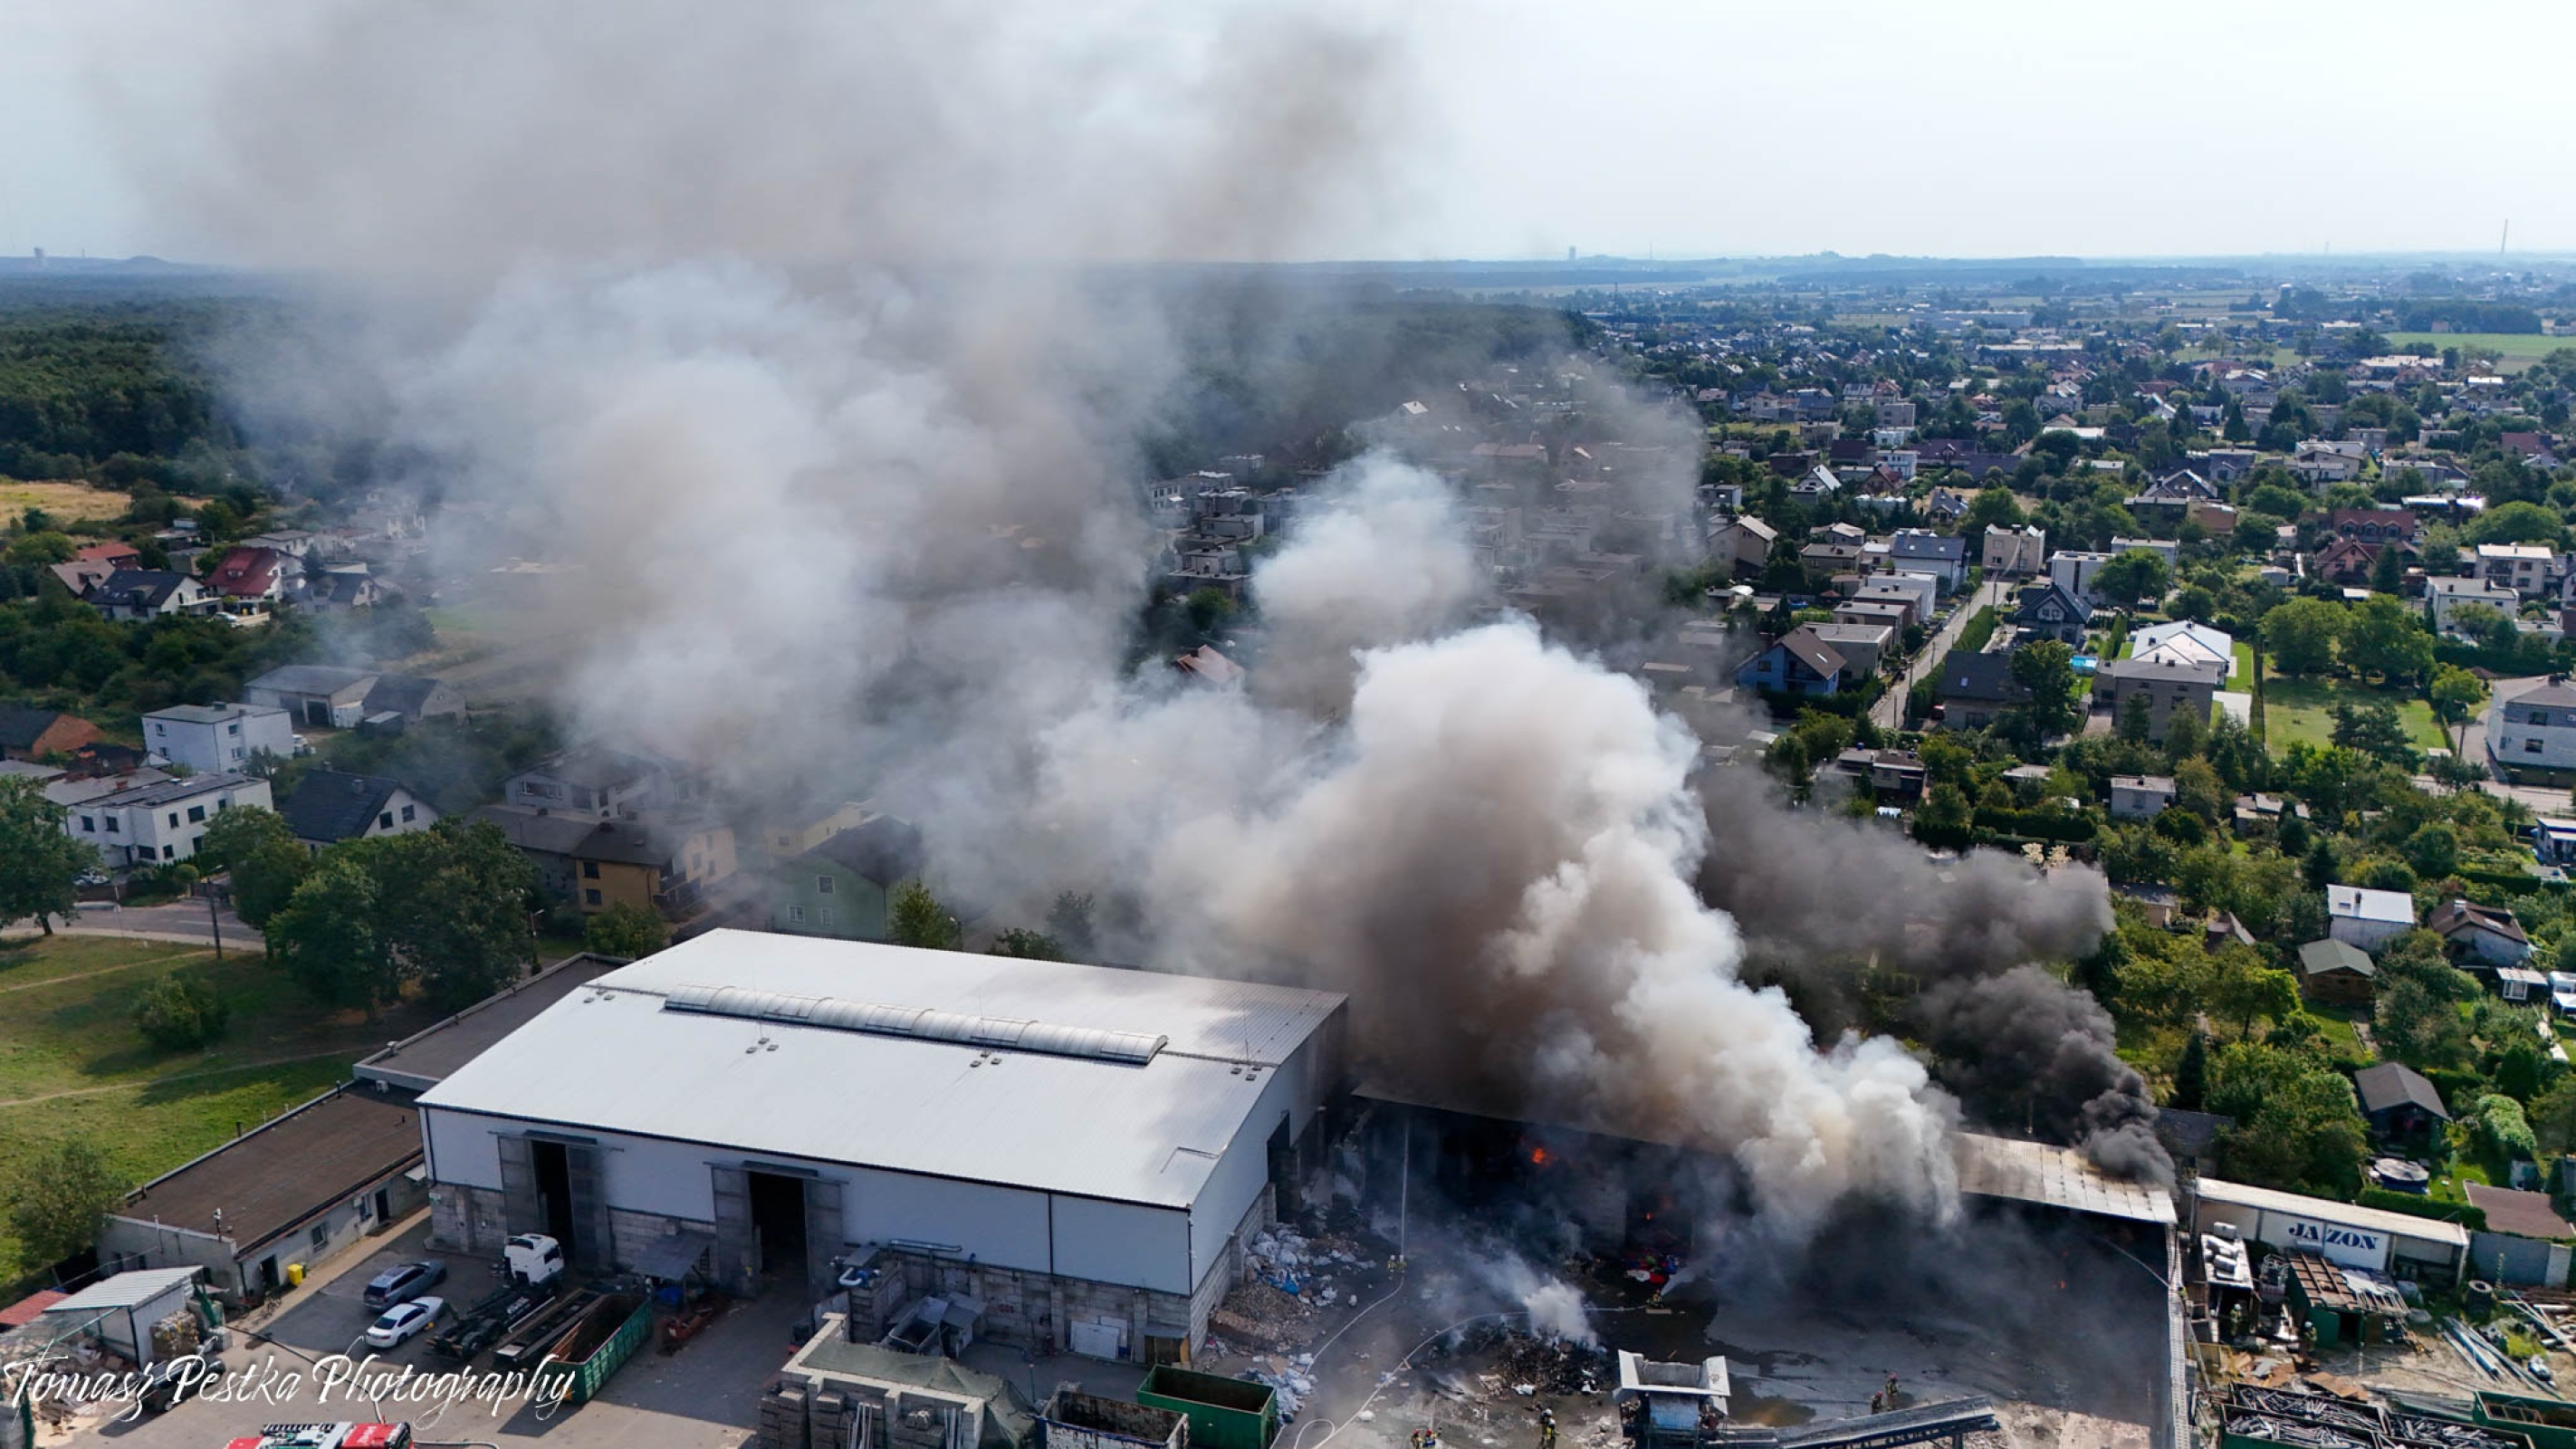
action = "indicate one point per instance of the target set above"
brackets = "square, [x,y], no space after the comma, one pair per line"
[403,1320]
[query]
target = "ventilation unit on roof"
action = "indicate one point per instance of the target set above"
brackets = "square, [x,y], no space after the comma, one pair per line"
[919,1023]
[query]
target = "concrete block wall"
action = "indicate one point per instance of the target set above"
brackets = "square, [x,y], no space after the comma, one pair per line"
[471,1220]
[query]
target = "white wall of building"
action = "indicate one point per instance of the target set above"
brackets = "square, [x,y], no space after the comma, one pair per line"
[209,746]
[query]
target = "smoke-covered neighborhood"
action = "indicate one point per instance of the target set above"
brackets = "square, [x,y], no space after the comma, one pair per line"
[1178,727]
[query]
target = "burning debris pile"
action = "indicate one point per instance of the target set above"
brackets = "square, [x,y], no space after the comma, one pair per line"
[1524,1364]
[1292,1284]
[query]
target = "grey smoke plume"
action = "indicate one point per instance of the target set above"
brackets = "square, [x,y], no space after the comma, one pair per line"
[867,523]
[2024,1046]
[1384,562]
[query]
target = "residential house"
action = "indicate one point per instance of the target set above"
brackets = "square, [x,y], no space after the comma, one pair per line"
[2348,561]
[1824,558]
[2167,688]
[2320,461]
[842,886]
[2527,569]
[2368,918]
[2218,520]
[1894,614]
[81,575]
[2376,525]
[2166,499]
[2074,569]
[162,820]
[294,543]
[1943,556]
[2185,642]
[1863,646]
[797,830]
[2488,934]
[1897,774]
[206,737]
[134,595]
[27,733]
[1795,663]
[250,581]
[2047,611]
[1743,543]
[2163,548]
[590,781]
[331,696]
[2533,727]
[548,842]
[1936,454]
[2015,550]
[1976,689]
[1818,484]
[2447,596]
[328,807]
[2140,797]
[658,862]
[1920,590]
[114,554]
[2337,971]
[2398,1101]
[346,587]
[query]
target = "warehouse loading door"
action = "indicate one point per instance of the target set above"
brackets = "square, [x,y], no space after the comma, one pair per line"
[586,1201]
[521,1211]
[823,1238]
[778,1222]
[737,1265]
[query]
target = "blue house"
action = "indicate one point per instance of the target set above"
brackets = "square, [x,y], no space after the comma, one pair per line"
[1796,663]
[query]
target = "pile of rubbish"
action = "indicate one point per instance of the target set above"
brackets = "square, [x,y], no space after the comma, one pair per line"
[1296,1264]
[1526,1364]
[1291,1379]
[1291,1279]
[1262,1316]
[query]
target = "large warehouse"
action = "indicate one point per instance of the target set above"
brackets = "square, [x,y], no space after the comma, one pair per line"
[1067,1143]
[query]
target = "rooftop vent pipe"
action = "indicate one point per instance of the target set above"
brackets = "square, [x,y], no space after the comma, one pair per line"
[923,1024]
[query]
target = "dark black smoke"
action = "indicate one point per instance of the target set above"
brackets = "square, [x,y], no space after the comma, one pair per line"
[2024,1048]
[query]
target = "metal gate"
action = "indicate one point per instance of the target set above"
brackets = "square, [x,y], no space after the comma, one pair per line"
[521,1212]
[822,1230]
[592,1250]
[737,1255]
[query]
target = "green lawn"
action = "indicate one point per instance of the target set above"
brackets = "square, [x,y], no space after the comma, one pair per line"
[72,1065]
[2514,350]
[2297,710]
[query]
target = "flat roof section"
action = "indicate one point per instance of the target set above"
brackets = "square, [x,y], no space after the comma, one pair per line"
[425,1058]
[2396,1225]
[2059,1177]
[282,1172]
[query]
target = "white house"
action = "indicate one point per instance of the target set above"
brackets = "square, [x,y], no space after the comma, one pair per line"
[2185,642]
[1919,590]
[212,737]
[2136,797]
[160,822]
[2073,571]
[2531,725]
[2526,568]
[1943,556]
[2446,596]
[2163,548]
[2367,918]
[2320,461]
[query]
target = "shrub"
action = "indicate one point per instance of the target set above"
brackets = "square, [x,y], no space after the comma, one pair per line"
[181,1011]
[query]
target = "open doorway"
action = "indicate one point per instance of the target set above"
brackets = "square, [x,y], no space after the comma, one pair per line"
[778,1216]
[554,1188]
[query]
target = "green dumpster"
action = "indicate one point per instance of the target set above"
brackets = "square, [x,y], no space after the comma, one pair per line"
[1223,1413]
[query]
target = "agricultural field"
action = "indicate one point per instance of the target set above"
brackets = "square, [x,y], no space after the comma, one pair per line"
[2513,351]
[67,502]
[72,1064]
[2302,710]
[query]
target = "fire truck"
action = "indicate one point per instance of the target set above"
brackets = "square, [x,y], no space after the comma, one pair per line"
[327,1436]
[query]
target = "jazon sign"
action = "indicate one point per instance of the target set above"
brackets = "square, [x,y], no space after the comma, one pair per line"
[2352,1247]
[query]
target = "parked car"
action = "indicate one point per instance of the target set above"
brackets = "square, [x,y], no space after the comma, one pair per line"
[171,1379]
[404,1281]
[403,1320]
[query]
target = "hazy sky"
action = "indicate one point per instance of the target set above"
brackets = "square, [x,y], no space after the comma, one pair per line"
[1710,128]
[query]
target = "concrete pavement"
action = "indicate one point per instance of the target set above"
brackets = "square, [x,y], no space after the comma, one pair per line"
[180,921]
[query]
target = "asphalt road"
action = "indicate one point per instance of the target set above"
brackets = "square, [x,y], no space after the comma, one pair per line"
[1889,712]
[178,921]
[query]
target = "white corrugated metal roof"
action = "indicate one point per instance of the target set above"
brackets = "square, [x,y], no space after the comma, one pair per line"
[125,1290]
[2055,1177]
[2399,1225]
[610,1058]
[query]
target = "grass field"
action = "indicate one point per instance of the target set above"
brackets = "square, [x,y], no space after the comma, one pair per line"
[72,1065]
[2302,710]
[65,501]
[2514,351]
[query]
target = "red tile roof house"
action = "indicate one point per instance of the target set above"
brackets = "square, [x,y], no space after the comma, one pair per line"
[247,580]
[113,554]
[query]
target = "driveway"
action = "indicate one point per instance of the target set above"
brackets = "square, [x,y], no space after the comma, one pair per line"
[704,1397]
[1889,712]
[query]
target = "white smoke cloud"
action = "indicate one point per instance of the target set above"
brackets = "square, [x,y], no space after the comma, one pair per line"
[1385,561]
